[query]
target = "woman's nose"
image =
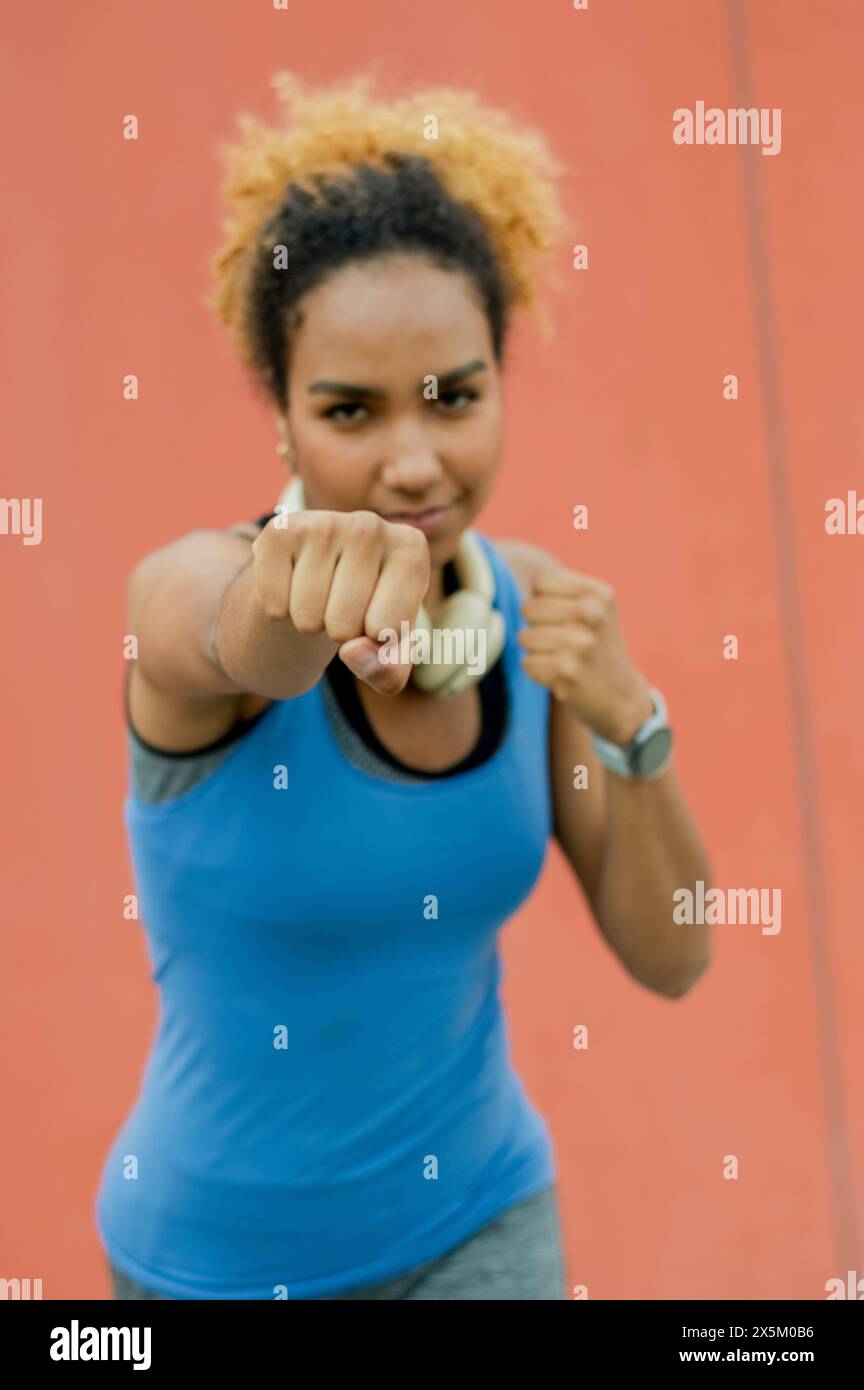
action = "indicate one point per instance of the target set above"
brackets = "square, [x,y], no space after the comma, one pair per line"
[412,466]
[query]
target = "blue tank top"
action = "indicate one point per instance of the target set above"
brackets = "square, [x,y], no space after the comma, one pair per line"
[329,1100]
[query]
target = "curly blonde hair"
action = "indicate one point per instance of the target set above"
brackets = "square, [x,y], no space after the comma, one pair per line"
[348,176]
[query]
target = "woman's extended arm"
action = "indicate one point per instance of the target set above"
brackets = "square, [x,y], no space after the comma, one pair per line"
[197,595]
[217,619]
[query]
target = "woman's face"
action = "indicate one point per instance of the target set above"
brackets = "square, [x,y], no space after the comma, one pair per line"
[364,425]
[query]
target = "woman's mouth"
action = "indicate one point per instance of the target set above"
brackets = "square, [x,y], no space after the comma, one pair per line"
[430,522]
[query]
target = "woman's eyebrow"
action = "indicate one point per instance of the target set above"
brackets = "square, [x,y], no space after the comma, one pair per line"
[345,388]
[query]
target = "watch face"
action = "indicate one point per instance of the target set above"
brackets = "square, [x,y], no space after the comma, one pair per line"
[652,754]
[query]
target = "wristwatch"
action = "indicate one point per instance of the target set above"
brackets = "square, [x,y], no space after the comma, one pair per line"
[649,750]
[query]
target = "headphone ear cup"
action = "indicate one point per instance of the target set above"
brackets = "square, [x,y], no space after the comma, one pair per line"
[462,609]
[459,611]
[462,677]
[467,611]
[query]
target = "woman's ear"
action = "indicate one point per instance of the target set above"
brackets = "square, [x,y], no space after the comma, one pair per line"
[285,447]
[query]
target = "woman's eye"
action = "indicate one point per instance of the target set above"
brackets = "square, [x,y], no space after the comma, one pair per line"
[331,414]
[351,412]
[452,397]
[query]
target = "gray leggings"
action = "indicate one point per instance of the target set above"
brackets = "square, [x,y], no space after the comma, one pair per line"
[516,1255]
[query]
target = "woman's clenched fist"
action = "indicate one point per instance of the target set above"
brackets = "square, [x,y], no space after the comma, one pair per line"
[347,574]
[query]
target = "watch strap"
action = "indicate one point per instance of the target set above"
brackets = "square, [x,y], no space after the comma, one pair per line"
[624,760]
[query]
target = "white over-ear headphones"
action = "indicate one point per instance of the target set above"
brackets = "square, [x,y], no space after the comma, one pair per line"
[469,608]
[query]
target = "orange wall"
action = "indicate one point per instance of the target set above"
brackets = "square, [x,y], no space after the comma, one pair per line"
[707,515]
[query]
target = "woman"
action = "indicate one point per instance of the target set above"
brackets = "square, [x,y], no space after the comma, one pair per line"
[326,839]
